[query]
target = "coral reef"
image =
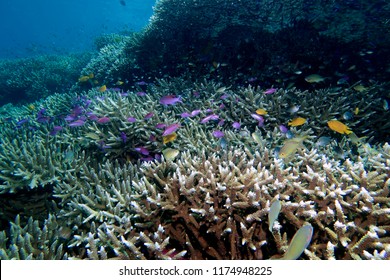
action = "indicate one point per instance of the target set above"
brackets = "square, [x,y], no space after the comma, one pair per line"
[30,79]
[173,143]
[113,199]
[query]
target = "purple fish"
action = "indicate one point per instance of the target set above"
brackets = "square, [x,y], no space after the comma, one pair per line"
[236,125]
[195,112]
[218,134]
[283,129]
[185,115]
[123,137]
[196,94]
[224,96]
[131,119]
[270,91]
[142,150]
[209,117]
[70,118]
[22,121]
[92,116]
[160,125]
[141,83]
[221,122]
[77,123]
[171,129]
[257,117]
[170,100]
[103,120]
[148,115]
[140,93]
[55,130]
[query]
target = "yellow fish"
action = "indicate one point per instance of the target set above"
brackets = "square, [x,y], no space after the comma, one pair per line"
[170,154]
[339,127]
[103,88]
[83,79]
[119,83]
[297,121]
[360,88]
[31,106]
[169,138]
[314,78]
[291,146]
[91,75]
[356,111]
[261,112]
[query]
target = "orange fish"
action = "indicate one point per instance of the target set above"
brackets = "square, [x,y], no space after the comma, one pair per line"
[339,127]
[261,112]
[169,138]
[103,88]
[297,121]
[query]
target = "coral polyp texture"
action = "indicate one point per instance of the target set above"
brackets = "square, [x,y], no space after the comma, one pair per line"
[223,130]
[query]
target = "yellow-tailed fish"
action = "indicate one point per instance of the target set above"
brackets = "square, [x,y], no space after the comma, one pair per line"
[273,213]
[119,83]
[261,111]
[170,154]
[291,146]
[299,243]
[355,139]
[314,78]
[339,127]
[169,138]
[297,121]
[103,88]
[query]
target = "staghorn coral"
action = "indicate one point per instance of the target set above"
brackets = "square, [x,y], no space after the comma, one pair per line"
[33,242]
[212,201]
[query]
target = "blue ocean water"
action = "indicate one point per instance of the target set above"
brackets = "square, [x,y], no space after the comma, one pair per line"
[30,28]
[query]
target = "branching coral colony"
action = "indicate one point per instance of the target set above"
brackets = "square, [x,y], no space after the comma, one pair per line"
[212,201]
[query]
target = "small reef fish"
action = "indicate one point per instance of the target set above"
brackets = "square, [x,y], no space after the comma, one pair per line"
[170,100]
[270,91]
[283,129]
[169,138]
[86,78]
[291,146]
[314,78]
[170,154]
[360,88]
[339,127]
[142,150]
[55,130]
[218,134]
[131,119]
[103,120]
[208,118]
[77,123]
[273,214]
[171,129]
[297,121]
[148,115]
[31,107]
[261,112]
[299,243]
[348,115]
[236,125]
[103,88]
[294,109]
[356,111]
[257,117]
[323,141]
